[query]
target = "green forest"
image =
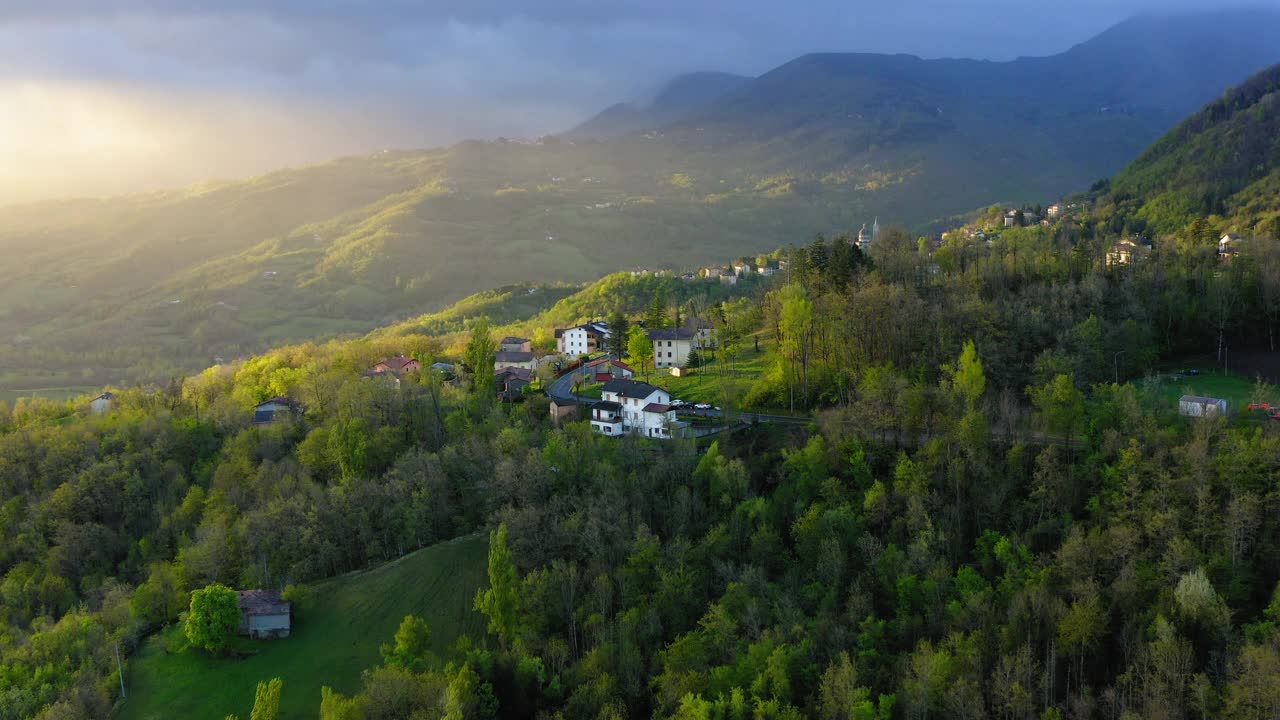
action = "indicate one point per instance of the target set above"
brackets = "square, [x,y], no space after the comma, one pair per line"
[992,513]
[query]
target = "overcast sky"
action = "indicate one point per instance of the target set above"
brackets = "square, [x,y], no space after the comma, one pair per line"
[101,96]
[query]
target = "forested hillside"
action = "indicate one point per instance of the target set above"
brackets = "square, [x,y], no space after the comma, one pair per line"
[1221,163]
[979,522]
[146,287]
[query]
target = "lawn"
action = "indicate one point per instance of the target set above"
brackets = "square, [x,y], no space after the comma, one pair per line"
[706,384]
[334,638]
[1237,390]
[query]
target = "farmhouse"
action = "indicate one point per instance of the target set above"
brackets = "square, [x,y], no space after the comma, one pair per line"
[1198,406]
[397,364]
[582,339]
[1228,245]
[263,615]
[1124,252]
[634,407]
[274,409]
[515,344]
[102,403]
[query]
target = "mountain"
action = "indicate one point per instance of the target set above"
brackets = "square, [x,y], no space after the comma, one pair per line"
[146,286]
[1223,161]
[683,95]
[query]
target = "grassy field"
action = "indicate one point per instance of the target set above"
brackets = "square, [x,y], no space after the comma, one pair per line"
[707,384]
[1237,390]
[336,637]
[57,394]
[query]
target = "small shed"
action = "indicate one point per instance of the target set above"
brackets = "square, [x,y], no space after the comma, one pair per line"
[1198,406]
[264,615]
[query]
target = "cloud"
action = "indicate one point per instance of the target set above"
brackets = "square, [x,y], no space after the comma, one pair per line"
[242,86]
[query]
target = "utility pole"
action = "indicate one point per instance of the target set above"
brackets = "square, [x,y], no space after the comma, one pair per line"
[120,670]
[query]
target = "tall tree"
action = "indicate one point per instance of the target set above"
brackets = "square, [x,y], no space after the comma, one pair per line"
[501,602]
[640,348]
[619,329]
[655,317]
[479,355]
[266,702]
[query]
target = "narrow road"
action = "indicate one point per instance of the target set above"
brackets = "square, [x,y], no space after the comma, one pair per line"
[561,389]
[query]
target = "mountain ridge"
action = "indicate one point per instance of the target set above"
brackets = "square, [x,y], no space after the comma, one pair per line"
[823,143]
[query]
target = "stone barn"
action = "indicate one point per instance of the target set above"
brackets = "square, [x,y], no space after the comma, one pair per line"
[263,615]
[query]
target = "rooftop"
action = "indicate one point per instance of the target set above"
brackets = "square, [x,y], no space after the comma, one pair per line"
[513,356]
[262,602]
[630,388]
[671,334]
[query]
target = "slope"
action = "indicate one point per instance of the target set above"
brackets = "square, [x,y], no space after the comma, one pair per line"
[1223,161]
[336,636]
[684,94]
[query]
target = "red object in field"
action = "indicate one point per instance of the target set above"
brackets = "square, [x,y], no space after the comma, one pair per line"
[1272,412]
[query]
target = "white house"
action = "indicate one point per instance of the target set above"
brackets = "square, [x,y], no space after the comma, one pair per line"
[1229,244]
[102,403]
[671,347]
[1197,406]
[634,407]
[581,340]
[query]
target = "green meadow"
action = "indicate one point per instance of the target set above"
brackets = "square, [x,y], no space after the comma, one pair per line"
[336,635]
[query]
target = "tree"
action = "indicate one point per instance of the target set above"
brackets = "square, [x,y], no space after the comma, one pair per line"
[501,602]
[1060,404]
[213,617]
[640,348]
[266,701]
[967,378]
[334,706]
[619,335]
[655,317]
[479,356]
[412,649]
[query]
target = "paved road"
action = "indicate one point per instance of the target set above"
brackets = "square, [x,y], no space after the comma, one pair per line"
[561,390]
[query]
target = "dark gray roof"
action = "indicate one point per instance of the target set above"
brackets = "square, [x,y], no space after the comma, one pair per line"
[607,405]
[671,334]
[629,388]
[262,602]
[513,340]
[517,356]
[505,374]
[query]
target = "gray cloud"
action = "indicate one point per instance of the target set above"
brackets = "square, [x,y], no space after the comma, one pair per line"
[249,85]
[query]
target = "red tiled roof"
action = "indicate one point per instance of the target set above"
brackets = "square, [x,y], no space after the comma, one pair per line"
[397,362]
[657,408]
